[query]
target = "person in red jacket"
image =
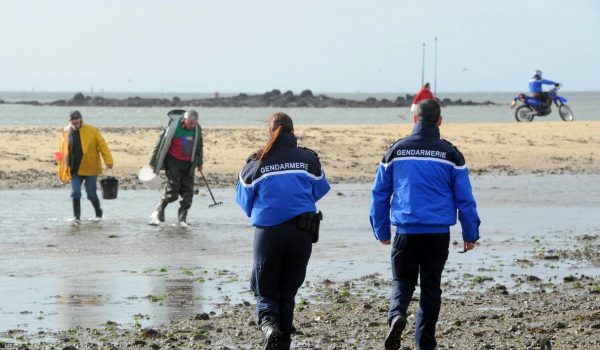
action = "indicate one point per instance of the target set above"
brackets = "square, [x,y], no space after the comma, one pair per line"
[423,94]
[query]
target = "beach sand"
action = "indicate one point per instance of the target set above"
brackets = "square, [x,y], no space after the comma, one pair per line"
[349,153]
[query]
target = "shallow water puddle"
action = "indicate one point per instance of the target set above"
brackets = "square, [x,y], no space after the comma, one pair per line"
[58,275]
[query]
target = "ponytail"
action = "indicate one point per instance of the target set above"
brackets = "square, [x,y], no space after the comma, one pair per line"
[267,148]
[279,123]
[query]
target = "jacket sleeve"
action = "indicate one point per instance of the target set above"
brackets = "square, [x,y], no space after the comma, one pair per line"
[103,148]
[244,196]
[320,186]
[380,202]
[547,82]
[199,147]
[154,157]
[465,202]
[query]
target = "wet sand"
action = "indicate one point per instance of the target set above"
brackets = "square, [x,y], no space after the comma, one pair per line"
[351,314]
[345,316]
[118,284]
[535,274]
[349,153]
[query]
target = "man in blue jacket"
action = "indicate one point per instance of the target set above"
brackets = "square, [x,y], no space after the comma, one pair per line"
[419,186]
[536,88]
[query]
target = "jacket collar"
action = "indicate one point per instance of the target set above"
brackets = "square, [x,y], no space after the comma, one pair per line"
[286,140]
[426,129]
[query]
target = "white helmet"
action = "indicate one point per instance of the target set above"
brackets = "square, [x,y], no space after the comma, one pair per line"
[537,74]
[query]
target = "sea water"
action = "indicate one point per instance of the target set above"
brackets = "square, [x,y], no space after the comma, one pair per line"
[585,106]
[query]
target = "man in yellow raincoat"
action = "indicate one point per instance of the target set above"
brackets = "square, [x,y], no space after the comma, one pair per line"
[79,161]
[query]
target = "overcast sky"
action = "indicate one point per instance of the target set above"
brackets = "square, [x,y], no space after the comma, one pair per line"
[327,46]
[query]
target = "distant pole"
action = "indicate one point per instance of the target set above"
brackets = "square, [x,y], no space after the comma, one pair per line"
[423,67]
[435,70]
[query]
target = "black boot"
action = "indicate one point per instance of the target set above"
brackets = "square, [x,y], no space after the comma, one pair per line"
[286,344]
[182,216]
[272,338]
[97,209]
[158,215]
[77,209]
[160,210]
[392,341]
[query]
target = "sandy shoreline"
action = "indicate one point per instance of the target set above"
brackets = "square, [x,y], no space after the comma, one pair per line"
[349,153]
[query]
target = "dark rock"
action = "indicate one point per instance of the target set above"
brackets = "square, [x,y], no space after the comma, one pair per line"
[551,257]
[306,93]
[273,98]
[203,316]
[560,325]
[531,278]
[150,333]
[569,278]
[545,344]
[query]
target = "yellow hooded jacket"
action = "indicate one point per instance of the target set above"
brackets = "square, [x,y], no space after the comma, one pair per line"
[92,144]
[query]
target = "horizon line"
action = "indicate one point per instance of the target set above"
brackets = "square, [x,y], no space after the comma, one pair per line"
[95,93]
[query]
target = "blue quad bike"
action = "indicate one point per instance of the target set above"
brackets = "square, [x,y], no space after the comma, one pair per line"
[532,107]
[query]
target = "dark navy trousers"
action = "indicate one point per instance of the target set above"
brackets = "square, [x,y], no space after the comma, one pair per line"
[421,256]
[281,254]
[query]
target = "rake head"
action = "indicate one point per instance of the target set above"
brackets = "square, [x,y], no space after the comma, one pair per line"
[215,204]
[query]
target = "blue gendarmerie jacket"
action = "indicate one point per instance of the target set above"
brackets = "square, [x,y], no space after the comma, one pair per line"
[287,183]
[420,184]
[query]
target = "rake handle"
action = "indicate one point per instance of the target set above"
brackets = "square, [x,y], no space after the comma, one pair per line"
[208,187]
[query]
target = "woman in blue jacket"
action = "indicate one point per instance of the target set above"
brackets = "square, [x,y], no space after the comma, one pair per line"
[278,188]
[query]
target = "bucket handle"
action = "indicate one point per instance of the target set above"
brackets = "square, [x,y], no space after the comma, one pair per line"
[112,171]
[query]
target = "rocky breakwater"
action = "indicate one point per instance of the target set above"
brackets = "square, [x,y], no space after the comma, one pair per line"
[273,98]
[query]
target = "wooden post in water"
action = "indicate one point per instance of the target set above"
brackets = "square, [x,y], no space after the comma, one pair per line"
[435,70]
[423,67]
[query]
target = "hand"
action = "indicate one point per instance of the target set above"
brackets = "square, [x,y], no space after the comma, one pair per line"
[199,167]
[468,246]
[109,166]
[385,241]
